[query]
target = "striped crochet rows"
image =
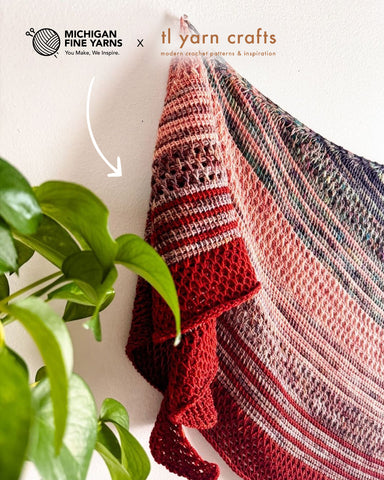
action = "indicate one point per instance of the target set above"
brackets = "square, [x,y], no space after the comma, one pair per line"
[275,238]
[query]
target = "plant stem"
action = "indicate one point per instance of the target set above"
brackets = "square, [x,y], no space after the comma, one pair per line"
[43,290]
[4,301]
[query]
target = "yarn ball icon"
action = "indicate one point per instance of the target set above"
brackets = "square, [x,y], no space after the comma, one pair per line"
[45,41]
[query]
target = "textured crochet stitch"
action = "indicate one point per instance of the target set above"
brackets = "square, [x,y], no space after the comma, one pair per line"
[275,238]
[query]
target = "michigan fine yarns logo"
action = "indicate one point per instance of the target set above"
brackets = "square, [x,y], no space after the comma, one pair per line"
[46,42]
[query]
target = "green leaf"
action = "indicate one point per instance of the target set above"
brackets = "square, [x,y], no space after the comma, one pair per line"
[102,292]
[137,255]
[80,435]
[86,271]
[52,338]
[4,287]
[71,292]
[83,214]
[133,456]
[107,438]
[116,469]
[93,324]
[51,240]
[106,286]
[15,416]
[74,311]
[41,373]
[84,268]
[24,253]
[76,296]
[18,205]
[8,253]
[113,411]
[19,360]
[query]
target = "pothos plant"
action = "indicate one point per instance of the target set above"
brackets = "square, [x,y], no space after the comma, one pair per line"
[53,422]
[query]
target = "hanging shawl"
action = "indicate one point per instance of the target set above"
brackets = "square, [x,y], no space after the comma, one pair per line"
[275,239]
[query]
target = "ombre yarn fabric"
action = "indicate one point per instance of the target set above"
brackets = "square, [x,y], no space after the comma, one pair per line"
[275,238]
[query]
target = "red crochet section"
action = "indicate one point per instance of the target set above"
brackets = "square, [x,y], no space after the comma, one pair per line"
[171,448]
[185,373]
[207,285]
[247,449]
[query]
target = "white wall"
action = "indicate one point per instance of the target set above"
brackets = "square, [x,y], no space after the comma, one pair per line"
[328,73]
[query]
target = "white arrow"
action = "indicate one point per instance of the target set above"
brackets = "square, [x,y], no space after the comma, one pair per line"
[116,170]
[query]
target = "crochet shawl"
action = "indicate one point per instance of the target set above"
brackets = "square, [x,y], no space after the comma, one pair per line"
[275,239]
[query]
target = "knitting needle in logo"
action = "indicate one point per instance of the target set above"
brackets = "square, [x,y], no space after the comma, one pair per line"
[116,171]
[46,42]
